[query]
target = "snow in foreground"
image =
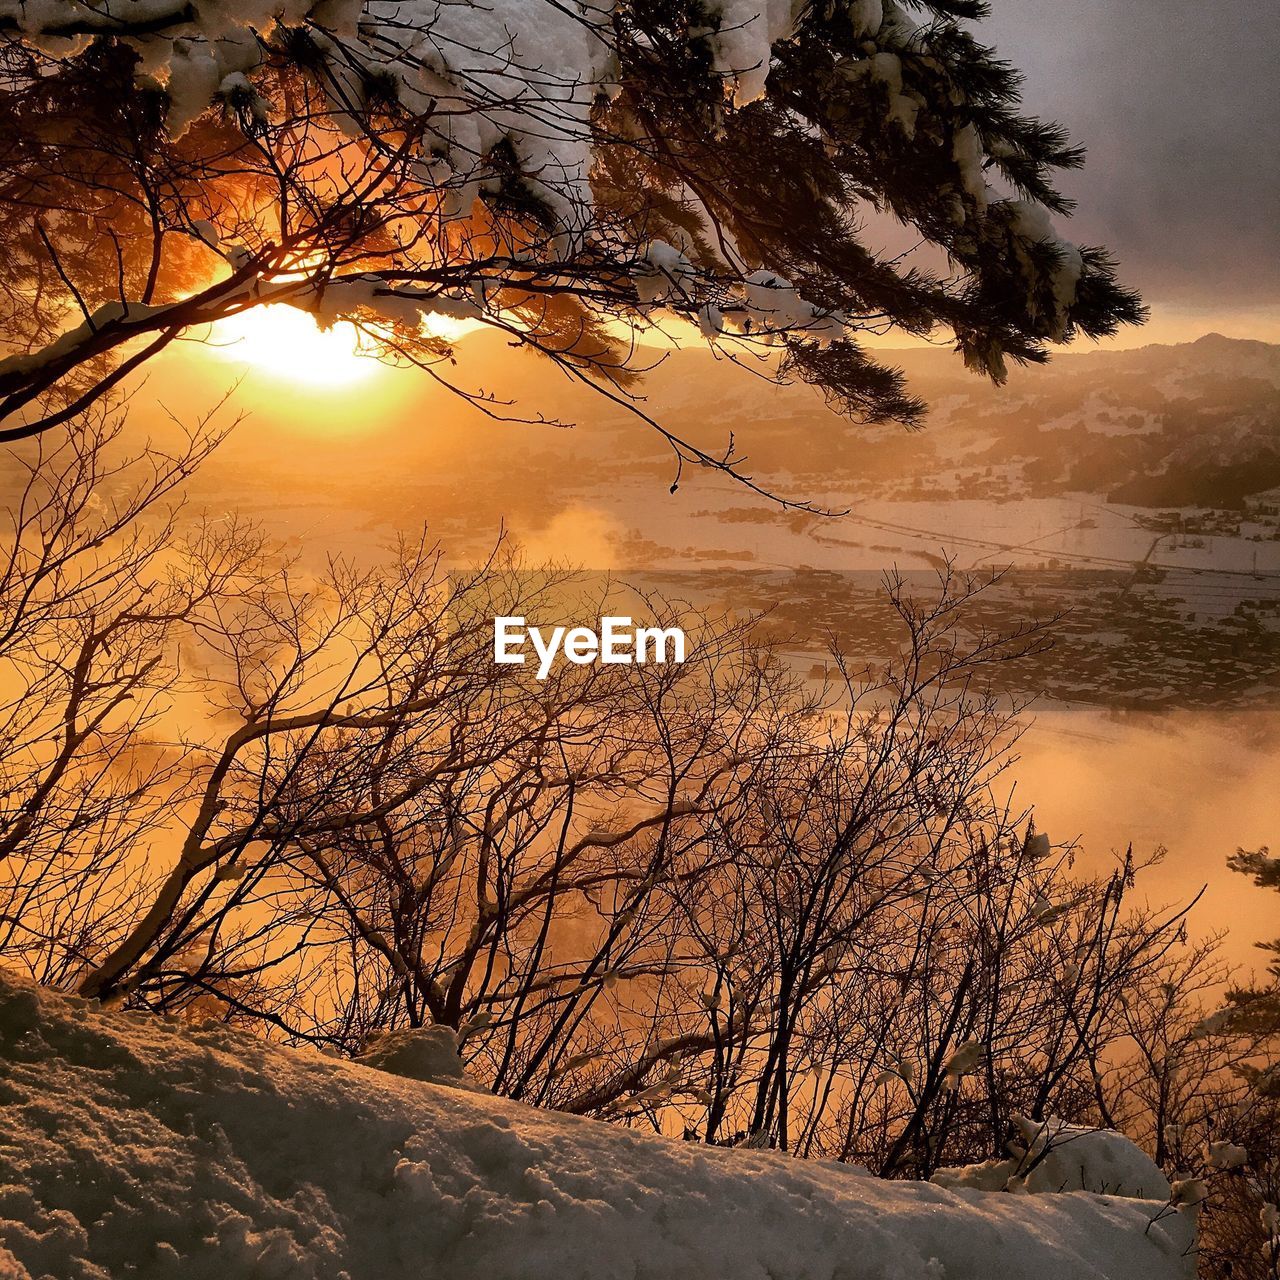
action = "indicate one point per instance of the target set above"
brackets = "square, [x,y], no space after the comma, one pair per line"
[131,1146]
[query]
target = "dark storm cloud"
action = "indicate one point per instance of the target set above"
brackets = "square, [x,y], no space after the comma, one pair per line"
[1178,103]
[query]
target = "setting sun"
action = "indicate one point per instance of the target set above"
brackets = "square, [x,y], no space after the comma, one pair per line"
[289,344]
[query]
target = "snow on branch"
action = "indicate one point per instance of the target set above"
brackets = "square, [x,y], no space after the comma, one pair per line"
[571,173]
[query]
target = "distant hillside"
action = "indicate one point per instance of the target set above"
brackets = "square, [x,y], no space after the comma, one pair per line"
[1196,424]
[1193,424]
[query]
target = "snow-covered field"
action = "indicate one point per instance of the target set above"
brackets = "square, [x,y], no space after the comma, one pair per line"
[132,1146]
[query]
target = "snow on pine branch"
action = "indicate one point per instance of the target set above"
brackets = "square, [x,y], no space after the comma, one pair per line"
[624,159]
[524,74]
[519,73]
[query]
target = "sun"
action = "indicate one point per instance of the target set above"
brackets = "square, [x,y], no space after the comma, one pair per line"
[289,345]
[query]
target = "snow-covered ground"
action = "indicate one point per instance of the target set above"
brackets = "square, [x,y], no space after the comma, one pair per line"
[133,1146]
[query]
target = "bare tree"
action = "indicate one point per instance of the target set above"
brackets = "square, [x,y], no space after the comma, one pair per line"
[709,898]
[98,579]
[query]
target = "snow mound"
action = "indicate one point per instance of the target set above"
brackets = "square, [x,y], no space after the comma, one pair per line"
[1061,1157]
[990,1175]
[421,1053]
[1064,1157]
[136,1146]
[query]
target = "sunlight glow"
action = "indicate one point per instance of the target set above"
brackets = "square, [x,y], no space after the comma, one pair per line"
[288,344]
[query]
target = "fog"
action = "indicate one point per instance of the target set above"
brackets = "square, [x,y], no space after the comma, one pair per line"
[1199,784]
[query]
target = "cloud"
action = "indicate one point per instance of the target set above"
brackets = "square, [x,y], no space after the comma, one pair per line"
[1175,101]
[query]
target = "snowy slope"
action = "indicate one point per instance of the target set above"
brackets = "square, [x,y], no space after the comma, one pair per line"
[136,1147]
